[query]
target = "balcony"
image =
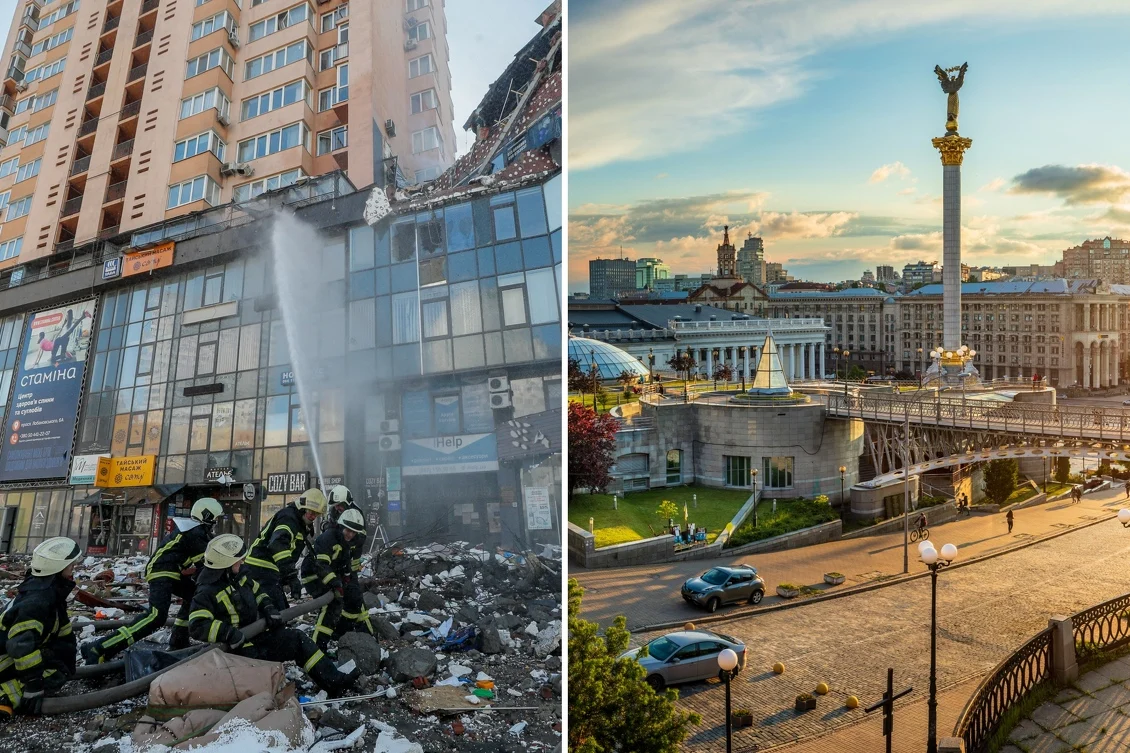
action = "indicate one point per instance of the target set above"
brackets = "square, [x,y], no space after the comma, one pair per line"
[88,127]
[6,102]
[143,39]
[130,111]
[115,192]
[137,72]
[71,206]
[96,91]
[122,150]
[108,232]
[111,24]
[149,5]
[80,165]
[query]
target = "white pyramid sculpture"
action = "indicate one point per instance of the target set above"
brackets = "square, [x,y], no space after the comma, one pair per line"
[770,377]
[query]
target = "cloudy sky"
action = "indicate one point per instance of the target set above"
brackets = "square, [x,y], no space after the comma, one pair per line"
[809,122]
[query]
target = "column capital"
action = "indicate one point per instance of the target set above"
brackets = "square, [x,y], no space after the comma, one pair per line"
[952,148]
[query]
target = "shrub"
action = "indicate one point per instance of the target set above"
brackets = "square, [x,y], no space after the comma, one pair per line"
[790,586]
[793,515]
[667,510]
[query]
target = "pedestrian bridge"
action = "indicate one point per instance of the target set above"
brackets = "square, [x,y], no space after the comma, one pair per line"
[1059,421]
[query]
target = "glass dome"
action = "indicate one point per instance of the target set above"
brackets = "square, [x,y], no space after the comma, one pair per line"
[610,360]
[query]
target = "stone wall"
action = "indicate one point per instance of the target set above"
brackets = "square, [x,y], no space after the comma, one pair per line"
[794,540]
[934,516]
[868,503]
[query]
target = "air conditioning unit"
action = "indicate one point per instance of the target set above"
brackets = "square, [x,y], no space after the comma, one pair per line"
[391,426]
[390,128]
[389,442]
[224,120]
[237,168]
[233,37]
[22,86]
[499,384]
[500,400]
[409,45]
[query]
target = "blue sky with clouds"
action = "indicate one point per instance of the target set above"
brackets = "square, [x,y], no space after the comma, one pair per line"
[810,123]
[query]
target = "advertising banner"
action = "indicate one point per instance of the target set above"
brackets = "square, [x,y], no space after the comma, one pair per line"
[467,453]
[84,469]
[117,473]
[43,412]
[539,510]
[148,260]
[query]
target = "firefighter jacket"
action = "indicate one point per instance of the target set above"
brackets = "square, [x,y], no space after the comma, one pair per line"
[331,563]
[179,550]
[280,543]
[35,623]
[357,546]
[225,601]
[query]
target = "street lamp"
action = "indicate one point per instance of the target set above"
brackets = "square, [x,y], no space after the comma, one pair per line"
[745,365]
[728,663]
[843,470]
[753,486]
[714,368]
[836,351]
[650,365]
[918,363]
[1124,517]
[935,561]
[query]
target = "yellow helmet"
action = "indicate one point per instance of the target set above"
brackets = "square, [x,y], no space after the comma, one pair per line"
[224,551]
[353,520]
[53,556]
[312,500]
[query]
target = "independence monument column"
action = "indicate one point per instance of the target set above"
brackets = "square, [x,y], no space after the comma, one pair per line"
[952,148]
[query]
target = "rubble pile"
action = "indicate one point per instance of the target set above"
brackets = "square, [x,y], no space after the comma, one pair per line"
[466,658]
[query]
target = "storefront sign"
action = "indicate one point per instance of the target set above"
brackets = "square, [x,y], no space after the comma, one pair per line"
[249,492]
[288,483]
[393,473]
[115,473]
[288,378]
[214,474]
[112,268]
[41,418]
[83,469]
[467,453]
[447,414]
[140,262]
[535,435]
[539,510]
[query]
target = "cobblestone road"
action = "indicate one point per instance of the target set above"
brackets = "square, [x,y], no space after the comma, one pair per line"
[985,610]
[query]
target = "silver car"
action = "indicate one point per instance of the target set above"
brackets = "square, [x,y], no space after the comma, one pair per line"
[685,656]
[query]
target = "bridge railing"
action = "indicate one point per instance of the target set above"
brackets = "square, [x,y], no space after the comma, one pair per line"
[1090,422]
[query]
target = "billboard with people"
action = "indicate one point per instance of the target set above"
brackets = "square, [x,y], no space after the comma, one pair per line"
[43,412]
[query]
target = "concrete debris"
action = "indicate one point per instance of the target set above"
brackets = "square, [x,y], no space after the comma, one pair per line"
[409,663]
[361,648]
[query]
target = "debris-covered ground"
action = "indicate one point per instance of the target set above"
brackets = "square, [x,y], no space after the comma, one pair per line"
[482,629]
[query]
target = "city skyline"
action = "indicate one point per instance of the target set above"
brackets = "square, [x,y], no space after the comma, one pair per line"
[792,135]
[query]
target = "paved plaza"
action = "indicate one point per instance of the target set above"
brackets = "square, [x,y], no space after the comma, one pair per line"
[985,611]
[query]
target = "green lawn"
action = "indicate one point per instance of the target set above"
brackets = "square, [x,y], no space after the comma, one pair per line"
[790,515]
[636,519]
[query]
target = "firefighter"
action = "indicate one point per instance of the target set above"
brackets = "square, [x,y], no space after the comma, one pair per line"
[228,598]
[39,647]
[274,554]
[341,501]
[170,573]
[332,568]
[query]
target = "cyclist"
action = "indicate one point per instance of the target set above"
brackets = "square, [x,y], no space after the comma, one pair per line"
[920,524]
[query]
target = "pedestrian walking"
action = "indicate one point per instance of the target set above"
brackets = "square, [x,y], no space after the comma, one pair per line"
[965,503]
[1009,518]
[1127,488]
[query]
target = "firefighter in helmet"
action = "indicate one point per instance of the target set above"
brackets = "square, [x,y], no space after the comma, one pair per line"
[332,568]
[274,554]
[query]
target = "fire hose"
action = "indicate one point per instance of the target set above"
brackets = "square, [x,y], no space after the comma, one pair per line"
[118,693]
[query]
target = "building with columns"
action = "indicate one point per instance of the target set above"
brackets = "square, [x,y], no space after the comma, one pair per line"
[858,320]
[1074,332]
[712,335]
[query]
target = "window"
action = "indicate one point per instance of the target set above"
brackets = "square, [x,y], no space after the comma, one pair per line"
[416,5]
[289,137]
[425,100]
[251,190]
[428,173]
[62,11]
[202,187]
[30,170]
[331,141]
[9,166]
[335,95]
[426,139]
[330,21]
[199,144]
[287,18]
[674,466]
[19,208]
[205,101]
[778,473]
[295,91]
[37,103]
[11,249]
[419,32]
[217,58]
[4,197]
[208,25]
[420,66]
[45,71]
[53,41]
[35,135]
[737,471]
[513,304]
[277,59]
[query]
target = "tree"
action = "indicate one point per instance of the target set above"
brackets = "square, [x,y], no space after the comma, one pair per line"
[1000,479]
[667,510]
[611,706]
[722,373]
[855,373]
[627,378]
[582,380]
[683,364]
[1062,469]
[592,442]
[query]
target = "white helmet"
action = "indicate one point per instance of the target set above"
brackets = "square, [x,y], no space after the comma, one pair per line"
[340,495]
[207,511]
[224,551]
[312,500]
[53,556]
[352,520]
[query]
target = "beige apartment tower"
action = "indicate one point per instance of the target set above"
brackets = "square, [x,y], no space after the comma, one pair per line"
[118,114]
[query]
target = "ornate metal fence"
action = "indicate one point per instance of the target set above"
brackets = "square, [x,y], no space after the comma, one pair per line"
[1007,685]
[1103,627]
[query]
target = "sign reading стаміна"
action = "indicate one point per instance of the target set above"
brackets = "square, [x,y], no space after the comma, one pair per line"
[40,423]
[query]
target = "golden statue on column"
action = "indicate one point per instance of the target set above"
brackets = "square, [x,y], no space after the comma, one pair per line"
[950,85]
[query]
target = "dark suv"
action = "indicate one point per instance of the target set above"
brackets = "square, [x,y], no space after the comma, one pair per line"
[724,585]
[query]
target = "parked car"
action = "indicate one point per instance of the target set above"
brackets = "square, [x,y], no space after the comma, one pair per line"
[724,585]
[685,656]
[1126,402]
